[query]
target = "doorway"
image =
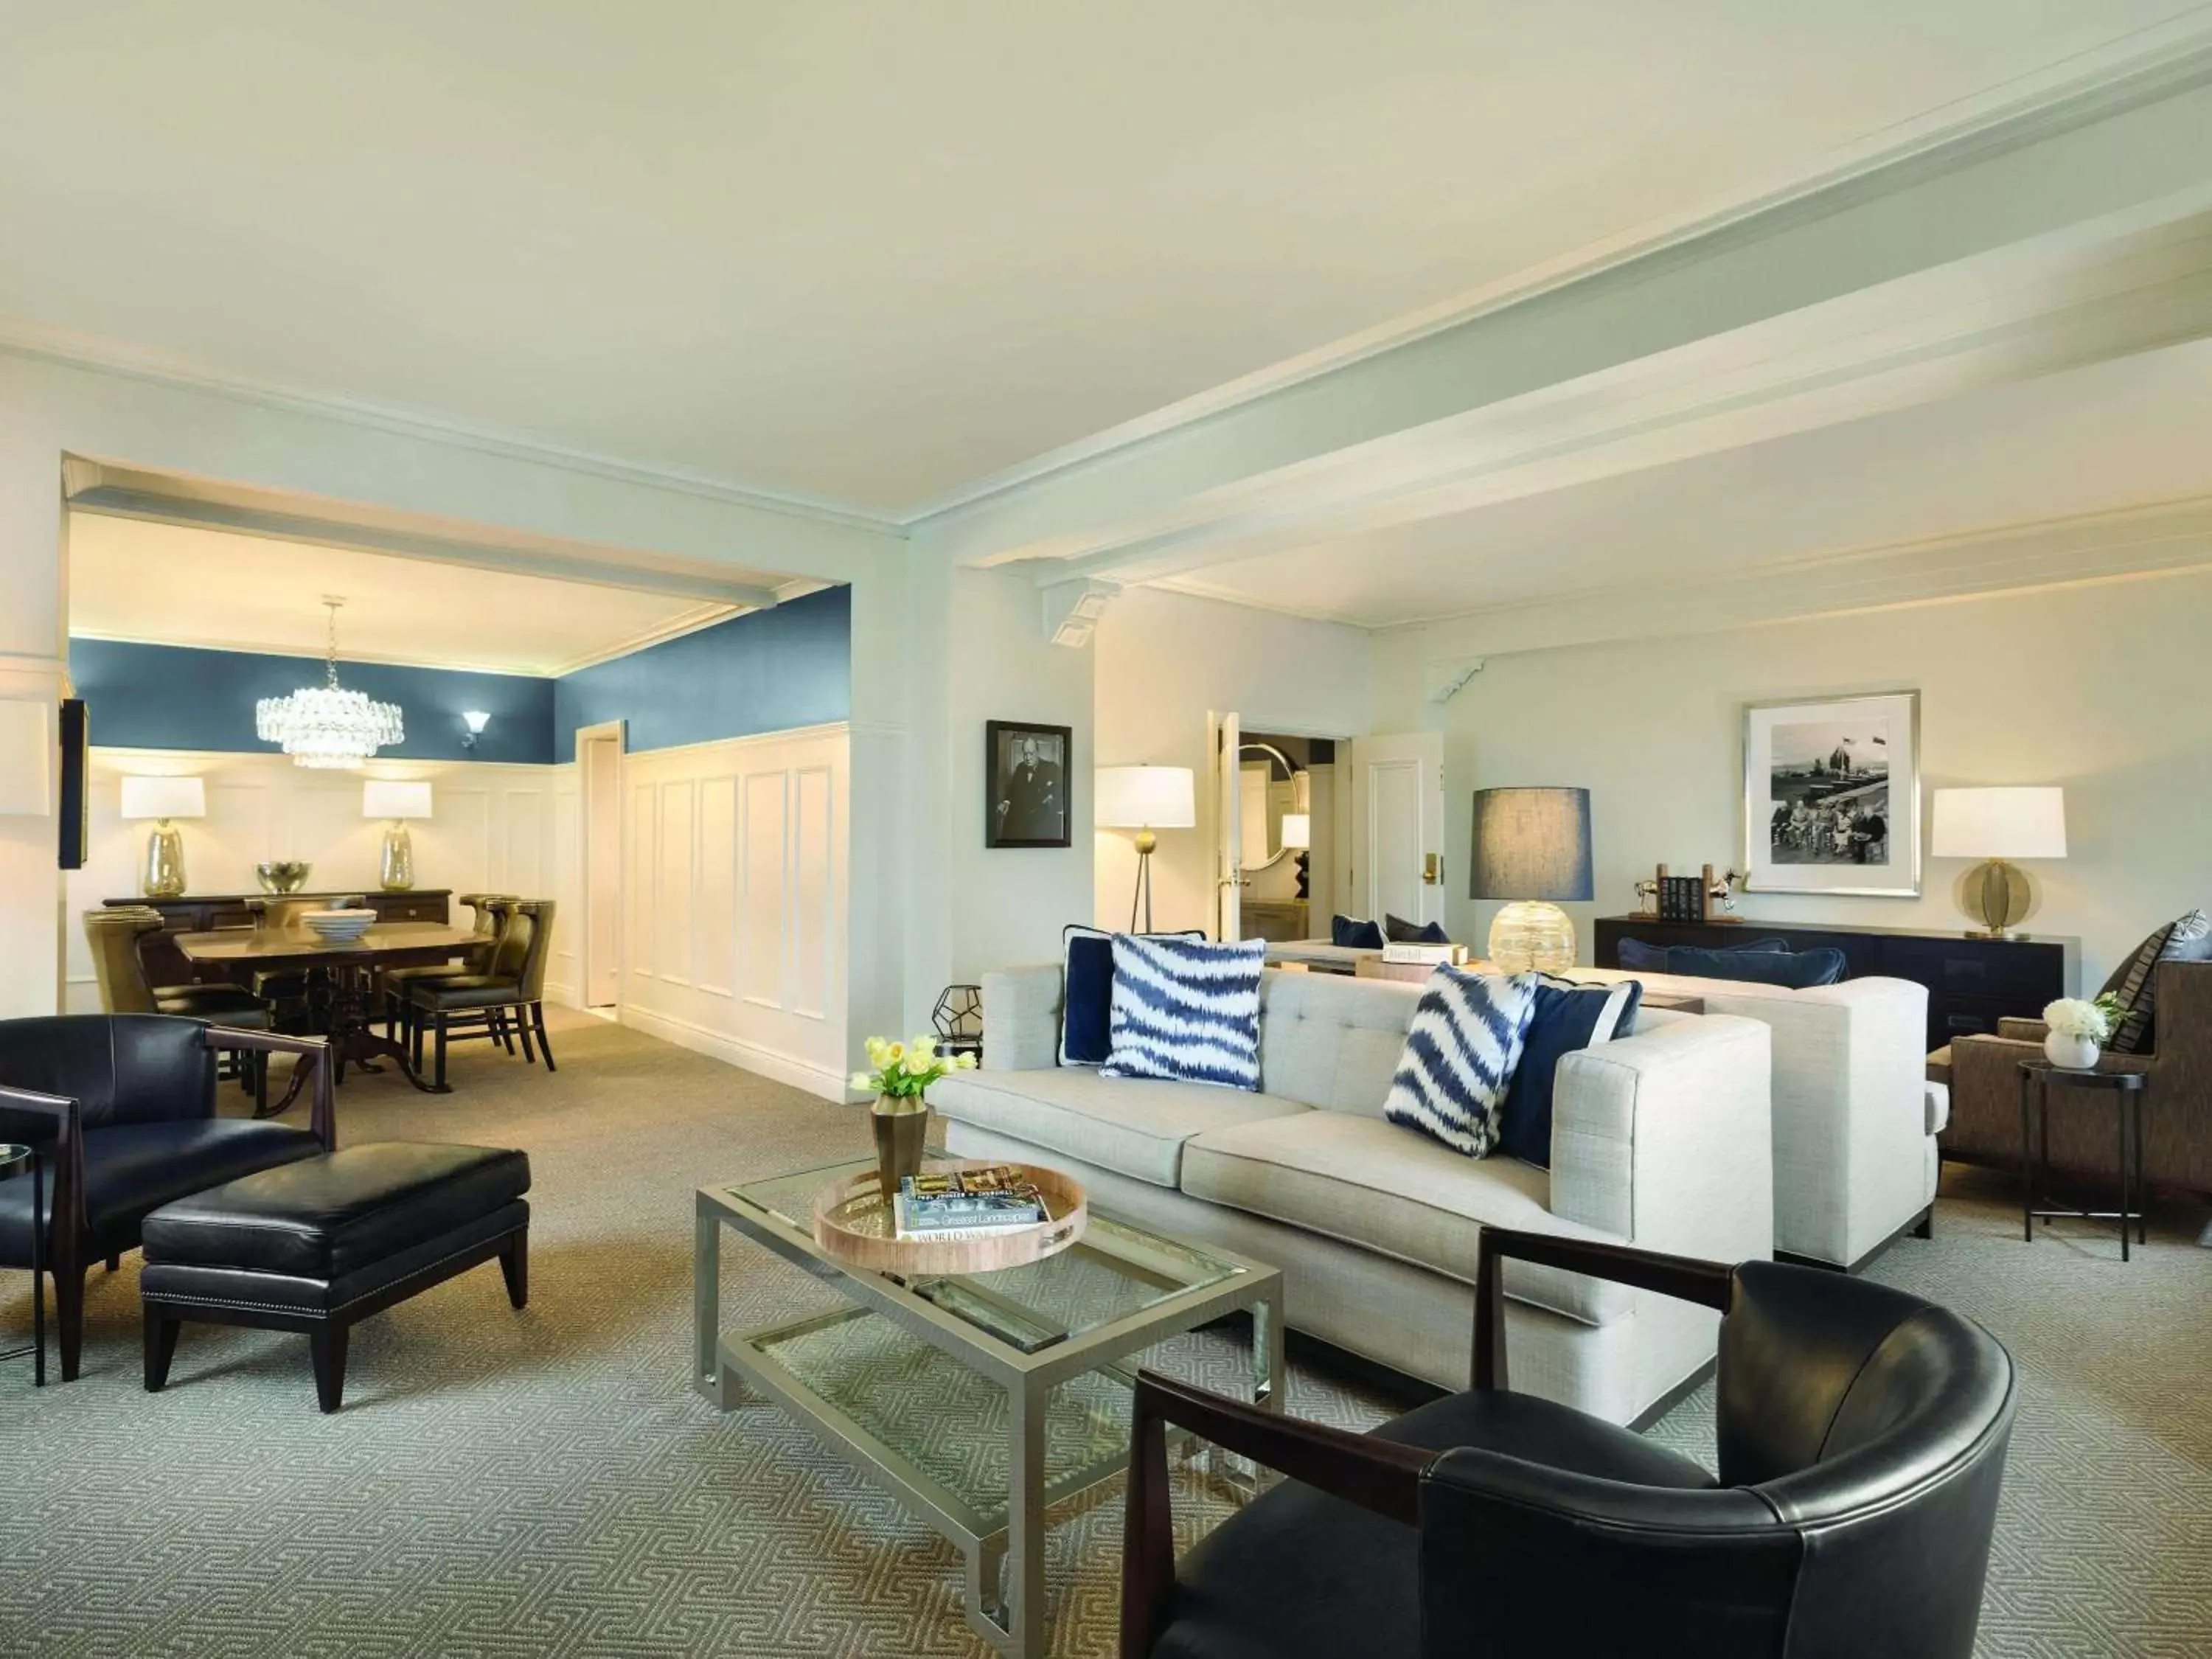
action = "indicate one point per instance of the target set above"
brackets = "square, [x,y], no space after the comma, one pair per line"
[1277,811]
[598,766]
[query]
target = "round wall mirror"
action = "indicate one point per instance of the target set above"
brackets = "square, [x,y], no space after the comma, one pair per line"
[1268,793]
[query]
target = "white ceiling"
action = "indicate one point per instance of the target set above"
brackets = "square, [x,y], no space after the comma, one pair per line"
[872,252]
[130,579]
[2117,435]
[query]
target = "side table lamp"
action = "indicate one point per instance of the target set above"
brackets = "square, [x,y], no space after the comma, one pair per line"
[397,800]
[1996,825]
[1532,847]
[163,799]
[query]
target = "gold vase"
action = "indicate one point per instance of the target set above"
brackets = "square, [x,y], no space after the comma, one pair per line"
[164,862]
[901,1137]
[395,870]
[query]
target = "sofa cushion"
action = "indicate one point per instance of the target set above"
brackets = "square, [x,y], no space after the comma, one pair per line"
[1798,970]
[1460,1056]
[1186,1011]
[1135,1128]
[1333,1040]
[1350,933]
[1566,1018]
[1086,998]
[2135,981]
[1372,1183]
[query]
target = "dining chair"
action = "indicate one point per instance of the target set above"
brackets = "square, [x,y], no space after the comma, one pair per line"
[490,912]
[465,1007]
[115,933]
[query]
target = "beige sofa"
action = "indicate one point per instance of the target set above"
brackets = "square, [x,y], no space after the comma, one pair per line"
[1660,1140]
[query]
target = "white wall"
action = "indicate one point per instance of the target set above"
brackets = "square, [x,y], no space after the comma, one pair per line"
[735,859]
[2100,688]
[492,829]
[1164,659]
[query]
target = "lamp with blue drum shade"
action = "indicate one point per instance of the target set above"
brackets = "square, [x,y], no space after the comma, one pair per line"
[1532,848]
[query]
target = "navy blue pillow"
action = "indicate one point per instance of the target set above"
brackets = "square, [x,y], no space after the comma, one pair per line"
[1639,957]
[1398,930]
[1087,1001]
[1796,971]
[1349,935]
[1567,1018]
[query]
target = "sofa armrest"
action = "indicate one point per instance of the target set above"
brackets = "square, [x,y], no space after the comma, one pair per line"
[1021,1019]
[1665,1138]
[2022,1031]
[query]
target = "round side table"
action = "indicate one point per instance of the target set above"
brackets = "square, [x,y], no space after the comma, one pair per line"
[16,1159]
[2038,1077]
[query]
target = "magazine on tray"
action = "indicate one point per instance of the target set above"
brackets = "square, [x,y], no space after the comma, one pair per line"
[967,1203]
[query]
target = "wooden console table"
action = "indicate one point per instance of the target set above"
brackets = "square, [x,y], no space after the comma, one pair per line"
[207,913]
[1971,982]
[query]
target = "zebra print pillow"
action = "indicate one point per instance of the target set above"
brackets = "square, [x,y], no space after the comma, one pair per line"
[1186,1009]
[1459,1058]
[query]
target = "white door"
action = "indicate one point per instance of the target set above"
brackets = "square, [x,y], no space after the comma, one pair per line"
[1225,733]
[1397,864]
[598,757]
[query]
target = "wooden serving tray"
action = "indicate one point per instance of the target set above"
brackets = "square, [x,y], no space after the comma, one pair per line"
[852,1223]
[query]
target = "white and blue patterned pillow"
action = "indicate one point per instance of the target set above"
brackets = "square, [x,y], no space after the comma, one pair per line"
[1459,1058]
[1186,1009]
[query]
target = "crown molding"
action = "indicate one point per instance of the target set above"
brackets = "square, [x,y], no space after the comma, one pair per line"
[2146,68]
[20,338]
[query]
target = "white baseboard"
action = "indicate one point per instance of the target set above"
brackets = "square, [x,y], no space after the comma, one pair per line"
[735,1051]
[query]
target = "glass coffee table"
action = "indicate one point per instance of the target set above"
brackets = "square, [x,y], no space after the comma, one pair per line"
[978,1399]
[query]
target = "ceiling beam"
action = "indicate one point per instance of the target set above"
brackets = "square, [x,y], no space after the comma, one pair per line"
[550,563]
[1432,413]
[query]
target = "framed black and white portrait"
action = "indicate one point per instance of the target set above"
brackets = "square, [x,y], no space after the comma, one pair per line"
[1025,785]
[1832,796]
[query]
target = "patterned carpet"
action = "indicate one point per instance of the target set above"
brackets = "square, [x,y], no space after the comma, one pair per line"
[543,1484]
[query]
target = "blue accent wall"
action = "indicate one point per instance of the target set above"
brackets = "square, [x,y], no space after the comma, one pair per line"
[766,671]
[174,697]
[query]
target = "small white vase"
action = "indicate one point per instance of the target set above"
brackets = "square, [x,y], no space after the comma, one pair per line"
[2070,1054]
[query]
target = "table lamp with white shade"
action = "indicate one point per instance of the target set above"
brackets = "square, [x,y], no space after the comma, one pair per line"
[1996,825]
[396,799]
[1143,798]
[163,799]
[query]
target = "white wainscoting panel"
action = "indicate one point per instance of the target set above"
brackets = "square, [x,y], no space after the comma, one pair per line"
[736,902]
[492,829]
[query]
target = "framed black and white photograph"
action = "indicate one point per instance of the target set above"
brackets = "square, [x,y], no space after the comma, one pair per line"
[1832,796]
[1025,785]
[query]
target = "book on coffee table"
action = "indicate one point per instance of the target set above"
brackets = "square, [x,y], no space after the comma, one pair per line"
[968,1204]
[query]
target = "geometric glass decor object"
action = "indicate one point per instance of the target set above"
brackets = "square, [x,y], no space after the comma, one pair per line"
[958,1017]
[326,724]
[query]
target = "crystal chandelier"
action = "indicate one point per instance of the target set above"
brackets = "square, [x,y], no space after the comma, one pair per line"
[326,724]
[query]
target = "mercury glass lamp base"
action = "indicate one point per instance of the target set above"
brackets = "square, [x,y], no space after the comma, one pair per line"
[1529,936]
[395,870]
[164,862]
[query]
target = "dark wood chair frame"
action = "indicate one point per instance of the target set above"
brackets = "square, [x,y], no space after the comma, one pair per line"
[1380,1475]
[69,1237]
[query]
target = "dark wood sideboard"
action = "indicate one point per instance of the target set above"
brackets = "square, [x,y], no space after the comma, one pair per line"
[204,913]
[1971,982]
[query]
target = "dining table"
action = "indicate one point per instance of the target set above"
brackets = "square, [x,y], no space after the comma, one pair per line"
[344,995]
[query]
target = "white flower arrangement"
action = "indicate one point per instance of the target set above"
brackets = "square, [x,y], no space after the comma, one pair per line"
[2073,1017]
[903,1070]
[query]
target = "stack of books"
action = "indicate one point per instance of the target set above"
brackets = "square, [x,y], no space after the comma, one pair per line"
[1425,955]
[967,1203]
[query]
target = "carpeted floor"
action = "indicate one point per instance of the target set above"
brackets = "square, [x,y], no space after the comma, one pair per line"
[544,1483]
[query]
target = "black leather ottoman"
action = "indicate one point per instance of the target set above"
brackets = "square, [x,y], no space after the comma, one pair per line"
[319,1245]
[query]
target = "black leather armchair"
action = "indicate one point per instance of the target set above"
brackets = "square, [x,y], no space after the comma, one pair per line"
[122,1107]
[1862,1438]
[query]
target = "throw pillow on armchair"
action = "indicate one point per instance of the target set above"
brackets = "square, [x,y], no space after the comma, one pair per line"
[1396,930]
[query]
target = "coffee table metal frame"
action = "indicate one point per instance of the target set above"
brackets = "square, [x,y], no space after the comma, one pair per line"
[15,1160]
[1013,1621]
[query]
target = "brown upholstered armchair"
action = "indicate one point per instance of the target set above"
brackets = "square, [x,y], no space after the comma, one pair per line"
[1984,1074]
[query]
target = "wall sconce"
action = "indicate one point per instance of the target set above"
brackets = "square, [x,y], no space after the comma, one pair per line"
[476,720]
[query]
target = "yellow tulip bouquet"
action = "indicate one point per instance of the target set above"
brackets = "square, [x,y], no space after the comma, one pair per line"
[904,1070]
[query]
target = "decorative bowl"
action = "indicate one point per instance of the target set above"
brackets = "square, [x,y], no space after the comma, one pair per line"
[339,926]
[282,875]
